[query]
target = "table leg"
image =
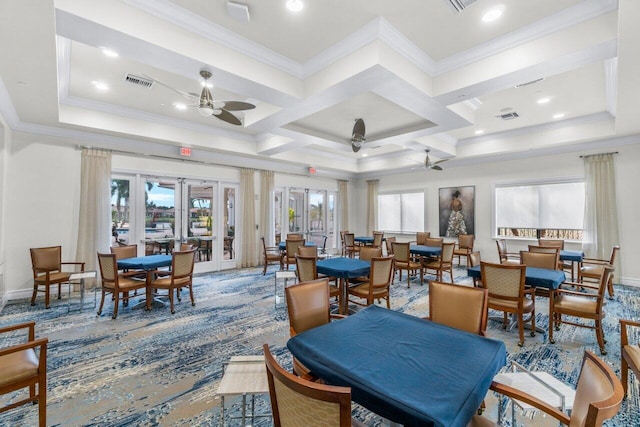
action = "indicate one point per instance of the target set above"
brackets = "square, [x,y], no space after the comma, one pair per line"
[244,408]
[222,411]
[344,305]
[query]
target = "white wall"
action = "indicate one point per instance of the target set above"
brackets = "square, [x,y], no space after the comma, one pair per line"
[484,176]
[5,137]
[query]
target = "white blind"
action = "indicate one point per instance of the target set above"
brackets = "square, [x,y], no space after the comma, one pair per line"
[551,206]
[402,212]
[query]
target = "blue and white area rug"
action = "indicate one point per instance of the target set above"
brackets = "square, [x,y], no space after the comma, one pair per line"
[153,368]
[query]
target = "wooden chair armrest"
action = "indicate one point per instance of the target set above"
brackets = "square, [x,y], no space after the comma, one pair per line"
[531,291]
[624,324]
[595,261]
[576,293]
[40,342]
[580,285]
[531,400]
[337,316]
[81,264]
[31,325]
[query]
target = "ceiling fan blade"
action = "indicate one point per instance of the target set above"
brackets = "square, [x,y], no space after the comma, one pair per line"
[178,91]
[226,116]
[236,105]
[435,167]
[440,161]
[355,148]
[358,129]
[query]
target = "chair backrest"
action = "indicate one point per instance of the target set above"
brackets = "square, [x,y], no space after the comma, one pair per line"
[551,243]
[465,241]
[402,251]
[108,267]
[349,240]
[306,268]
[503,280]
[307,251]
[421,236]
[381,272]
[127,251]
[539,260]
[614,251]
[474,258]
[264,246]
[461,307]
[182,264]
[292,247]
[368,252]
[502,249]
[389,243]
[377,239]
[294,236]
[446,255]
[544,249]
[435,242]
[298,402]
[307,305]
[599,393]
[323,248]
[46,259]
[186,247]
[607,273]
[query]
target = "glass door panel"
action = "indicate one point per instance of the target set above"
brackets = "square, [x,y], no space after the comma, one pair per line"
[198,221]
[296,212]
[229,223]
[120,212]
[160,202]
[316,221]
[277,214]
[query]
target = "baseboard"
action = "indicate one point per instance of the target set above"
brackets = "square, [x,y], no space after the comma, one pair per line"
[26,294]
[629,281]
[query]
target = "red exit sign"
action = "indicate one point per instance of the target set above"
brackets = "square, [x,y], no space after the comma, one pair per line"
[185,151]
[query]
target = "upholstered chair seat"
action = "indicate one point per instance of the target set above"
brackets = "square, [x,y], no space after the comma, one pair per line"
[18,366]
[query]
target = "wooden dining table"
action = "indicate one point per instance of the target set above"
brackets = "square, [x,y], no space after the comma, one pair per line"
[406,369]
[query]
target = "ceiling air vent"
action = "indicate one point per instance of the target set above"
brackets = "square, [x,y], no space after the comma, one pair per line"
[508,116]
[458,5]
[137,80]
[531,82]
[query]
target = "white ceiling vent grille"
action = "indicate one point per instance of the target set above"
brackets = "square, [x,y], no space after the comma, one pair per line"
[508,116]
[138,81]
[532,82]
[458,5]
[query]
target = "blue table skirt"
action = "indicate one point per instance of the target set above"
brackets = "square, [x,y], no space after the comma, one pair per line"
[574,256]
[366,239]
[345,268]
[425,250]
[406,369]
[283,245]
[536,277]
[150,262]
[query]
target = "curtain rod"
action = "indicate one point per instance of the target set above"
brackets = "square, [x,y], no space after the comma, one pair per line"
[612,152]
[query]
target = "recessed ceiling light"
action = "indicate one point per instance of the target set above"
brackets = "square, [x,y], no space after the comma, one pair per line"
[109,52]
[365,155]
[207,84]
[493,13]
[295,5]
[479,132]
[180,106]
[558,116]
[543,100]
[101,86]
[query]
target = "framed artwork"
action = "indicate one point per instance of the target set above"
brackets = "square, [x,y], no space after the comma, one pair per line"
[457,210]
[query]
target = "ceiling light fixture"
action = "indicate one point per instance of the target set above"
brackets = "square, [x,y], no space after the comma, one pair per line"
[205,107]
[493,13]
[180,106]
[109,52]
[545,100]
[100,86]
[558,116]
[479,132]
[295,5]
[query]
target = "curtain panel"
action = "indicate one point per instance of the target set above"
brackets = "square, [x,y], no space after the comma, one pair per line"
[94,219]
[267,221]
[248,240]
[372,206]
[343,204]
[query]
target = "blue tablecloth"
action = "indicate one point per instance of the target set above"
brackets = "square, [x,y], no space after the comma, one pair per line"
[425,250]
[536,277]
[344,268]
[574,256]
[283,245]
[150,262]
[367,240]
[406,369]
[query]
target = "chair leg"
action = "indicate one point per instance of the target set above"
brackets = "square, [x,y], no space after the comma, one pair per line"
[171,302]
[610,288]
[520,329]
[624,374]
[600,337]
[148,301]
[42,401]
[101,303]
[35,294]
[193,301]
[46,296]
[116,303]
[264,270]
[59,290]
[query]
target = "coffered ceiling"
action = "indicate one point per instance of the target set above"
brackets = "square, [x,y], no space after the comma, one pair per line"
[420,74]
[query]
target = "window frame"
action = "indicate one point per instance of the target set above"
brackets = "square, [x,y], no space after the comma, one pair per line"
[402,231]
[520,183]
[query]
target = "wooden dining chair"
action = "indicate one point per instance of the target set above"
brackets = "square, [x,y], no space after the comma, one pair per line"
[548,250]
[378,284]
[350,247]
[307,251]
[458,306]
[592,269]
[504,255]
[629,352]
[404,261]
[291,250]
[298,402]
[180,276]
[377,239]
[47,267]
[547,261]
[474,260]
[270,255]
[464,247]
[389,244]
[117,284]
[421,236]
[441,264]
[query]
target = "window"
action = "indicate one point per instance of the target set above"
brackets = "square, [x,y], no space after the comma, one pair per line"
[401,212]
[544,210]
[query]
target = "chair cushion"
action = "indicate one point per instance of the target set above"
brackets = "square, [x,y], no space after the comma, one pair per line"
[166,281]
[593,271]
[18,366]
[574,303]
[513,305]
[633,354]
[58,277]
[363,291]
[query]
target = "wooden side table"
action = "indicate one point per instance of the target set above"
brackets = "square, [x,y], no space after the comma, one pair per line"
[243,375]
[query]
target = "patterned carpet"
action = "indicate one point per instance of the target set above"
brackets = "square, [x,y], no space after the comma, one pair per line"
[152,368]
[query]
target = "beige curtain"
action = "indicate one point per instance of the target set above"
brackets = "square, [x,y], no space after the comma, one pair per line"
[343,204]
[94,220]
[372,206]
[249,243]
[600,208]
[267,222]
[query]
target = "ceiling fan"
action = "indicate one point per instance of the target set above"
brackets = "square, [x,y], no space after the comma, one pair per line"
[432,165]
[357,136]
[205,103]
